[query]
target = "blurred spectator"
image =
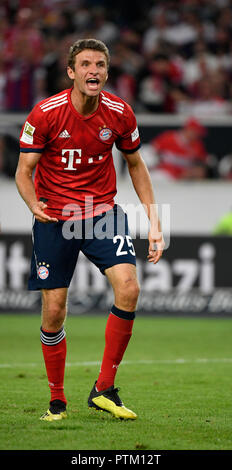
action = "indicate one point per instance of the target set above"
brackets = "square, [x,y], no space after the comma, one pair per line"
[2,82]
[23,52]
[102,28]
[163,74]
[209,98]
[166,56]
[54,65]
[157,31]
[225,167]
[180,154]
[201,63]
[126,65]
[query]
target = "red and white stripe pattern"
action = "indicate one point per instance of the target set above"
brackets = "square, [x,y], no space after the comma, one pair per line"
[115,105]
[54,102]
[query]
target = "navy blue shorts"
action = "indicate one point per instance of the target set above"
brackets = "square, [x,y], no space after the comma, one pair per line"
[104,240]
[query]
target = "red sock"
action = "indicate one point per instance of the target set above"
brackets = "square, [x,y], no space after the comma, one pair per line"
[54,352]
[117,335]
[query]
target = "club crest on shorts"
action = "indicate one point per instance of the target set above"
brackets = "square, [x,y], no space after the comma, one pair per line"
[105,134]
[43,271]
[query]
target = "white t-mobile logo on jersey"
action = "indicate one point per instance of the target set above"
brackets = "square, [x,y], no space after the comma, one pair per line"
[71,159]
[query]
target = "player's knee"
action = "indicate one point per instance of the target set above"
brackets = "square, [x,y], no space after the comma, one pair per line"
[134,290]
[129,292]
[131,297]
[54,315]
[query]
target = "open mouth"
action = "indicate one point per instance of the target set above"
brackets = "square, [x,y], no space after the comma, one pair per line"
[92,83]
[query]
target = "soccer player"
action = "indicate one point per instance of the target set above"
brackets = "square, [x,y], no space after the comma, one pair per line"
[68,140]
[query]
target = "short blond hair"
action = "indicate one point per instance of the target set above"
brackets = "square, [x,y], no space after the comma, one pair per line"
[82,44]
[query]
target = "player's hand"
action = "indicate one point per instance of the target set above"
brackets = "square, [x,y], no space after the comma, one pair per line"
[38,211]
[156,247]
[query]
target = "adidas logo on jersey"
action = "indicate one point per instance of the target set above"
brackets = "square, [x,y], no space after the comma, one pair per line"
[64,134]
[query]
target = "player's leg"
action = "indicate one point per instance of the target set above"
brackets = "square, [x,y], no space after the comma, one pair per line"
[115,257]
[53,262]
[119,325]
[124,281]
[118,332]
[53,341]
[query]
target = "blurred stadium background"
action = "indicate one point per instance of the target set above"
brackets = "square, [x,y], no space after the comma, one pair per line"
[171,61]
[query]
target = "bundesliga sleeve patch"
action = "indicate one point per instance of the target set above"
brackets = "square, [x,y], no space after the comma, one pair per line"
[27,135]
[135,134]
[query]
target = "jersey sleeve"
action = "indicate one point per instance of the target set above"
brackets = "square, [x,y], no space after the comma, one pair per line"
[129,140]
[33,135]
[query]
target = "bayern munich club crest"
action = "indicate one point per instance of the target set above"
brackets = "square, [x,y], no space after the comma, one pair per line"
[43,272]
[105,134]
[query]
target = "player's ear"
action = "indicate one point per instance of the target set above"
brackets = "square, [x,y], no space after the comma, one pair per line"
[70,73]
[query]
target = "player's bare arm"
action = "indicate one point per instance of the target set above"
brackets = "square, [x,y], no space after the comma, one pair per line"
[142,183]
[24,181]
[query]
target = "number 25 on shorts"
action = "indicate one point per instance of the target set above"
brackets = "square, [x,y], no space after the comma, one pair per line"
[121,240]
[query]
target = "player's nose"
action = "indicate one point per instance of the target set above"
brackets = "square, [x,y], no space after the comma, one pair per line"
[93,69]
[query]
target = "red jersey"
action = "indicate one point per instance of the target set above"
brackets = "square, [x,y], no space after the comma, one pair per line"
[76,166]
[177,155]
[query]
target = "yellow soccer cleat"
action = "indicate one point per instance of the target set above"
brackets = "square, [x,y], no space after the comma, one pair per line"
[56,412]
[108,400]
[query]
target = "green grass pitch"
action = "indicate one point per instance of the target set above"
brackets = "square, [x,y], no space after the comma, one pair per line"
[176,375]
